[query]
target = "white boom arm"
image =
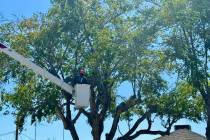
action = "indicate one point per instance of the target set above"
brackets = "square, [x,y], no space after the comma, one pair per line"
[35,68]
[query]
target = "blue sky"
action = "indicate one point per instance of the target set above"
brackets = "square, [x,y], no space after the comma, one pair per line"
[54,131]
[9,8]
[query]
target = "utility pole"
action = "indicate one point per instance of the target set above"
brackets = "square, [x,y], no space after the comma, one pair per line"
[35,132]
[16,132]
[63,133]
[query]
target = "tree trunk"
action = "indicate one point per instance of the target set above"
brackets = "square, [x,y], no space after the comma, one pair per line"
[74,134]
[71,126]
[95,133]
[96,130]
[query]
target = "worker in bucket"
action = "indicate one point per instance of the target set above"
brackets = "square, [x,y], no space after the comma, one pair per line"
[81,79]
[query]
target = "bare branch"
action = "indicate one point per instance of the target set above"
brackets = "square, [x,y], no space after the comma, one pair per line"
[118,128]
[76,117]
[135,126]
[122,107]
[140,132]
[153,2]
[115,122]
[62,117]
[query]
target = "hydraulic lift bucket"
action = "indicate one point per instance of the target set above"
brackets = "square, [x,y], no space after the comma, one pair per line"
[82,95]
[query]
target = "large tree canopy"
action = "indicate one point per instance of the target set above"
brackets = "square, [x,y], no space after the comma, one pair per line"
[116,42]
[187,36]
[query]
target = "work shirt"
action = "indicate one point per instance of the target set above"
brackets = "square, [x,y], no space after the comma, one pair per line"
[80,79]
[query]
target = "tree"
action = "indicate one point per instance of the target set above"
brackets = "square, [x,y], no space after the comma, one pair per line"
[97,36]
[187,35]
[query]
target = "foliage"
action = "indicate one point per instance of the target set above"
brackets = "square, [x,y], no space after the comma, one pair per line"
[187,37]
[116,42]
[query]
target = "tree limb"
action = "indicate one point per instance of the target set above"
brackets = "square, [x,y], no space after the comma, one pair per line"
[62,117]
[135,126]
[76,117]
[122,107]
[140,132]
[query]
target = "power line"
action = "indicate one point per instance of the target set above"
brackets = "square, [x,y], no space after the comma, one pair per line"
[12,132]
[8,133]
[27,136]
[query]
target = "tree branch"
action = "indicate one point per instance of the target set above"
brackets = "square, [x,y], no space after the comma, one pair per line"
[135,126]
[62,117]
[118,128]
[67,121]
[76,117]
[106,103]
[115,122]
[122,107]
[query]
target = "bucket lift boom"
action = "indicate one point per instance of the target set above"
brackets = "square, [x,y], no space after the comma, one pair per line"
[82,101]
